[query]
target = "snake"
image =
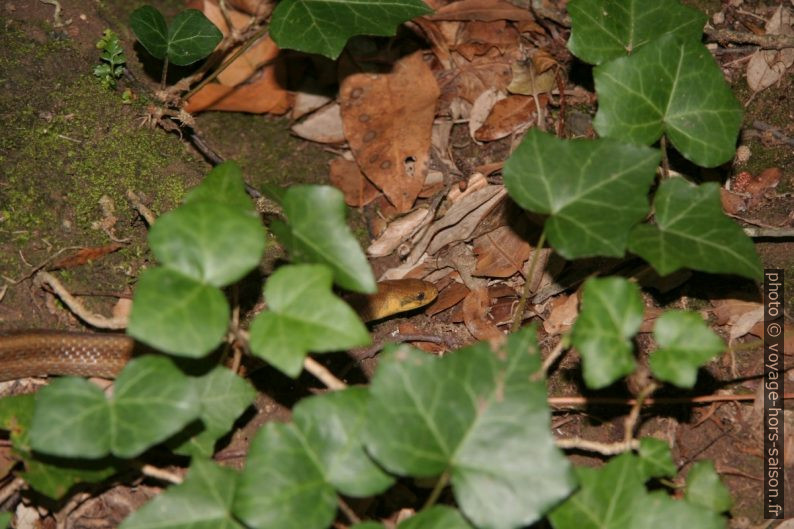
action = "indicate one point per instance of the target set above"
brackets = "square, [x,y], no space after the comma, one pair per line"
[48,352]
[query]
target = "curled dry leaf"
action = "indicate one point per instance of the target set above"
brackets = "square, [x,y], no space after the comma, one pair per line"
[483,10]
[477,38]
[475,316]
[509,116]
[564,310]
[307,102]
[398,232]
[453,294]
[387,120]
[322,126]
[346,176]
[482,108]
[766,67]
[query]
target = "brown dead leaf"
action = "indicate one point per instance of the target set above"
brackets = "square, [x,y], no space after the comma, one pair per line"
[478,38]
[346,176]
[732,203]
[475,316]
[322,126]
[263,95]
[500,253]
[448,297]
[398,232]
[252,7]
[388,120]
[470,79]
[756,185]
[564,310]
[84,255]
[766,67]
[483,10]
[508,116]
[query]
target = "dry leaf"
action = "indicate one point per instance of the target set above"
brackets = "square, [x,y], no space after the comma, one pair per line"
[265,94]
[388,120]
[482,108]
[564,310]
[500,253]
[508,116]
[322,126]
[346,176]
[448,297]
[766,67]
[475,316]
[84,255]
[398,232]
[477,38]
[732,203]
[484,10]
[307,102]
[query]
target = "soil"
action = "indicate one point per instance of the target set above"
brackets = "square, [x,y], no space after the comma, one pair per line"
[66,143]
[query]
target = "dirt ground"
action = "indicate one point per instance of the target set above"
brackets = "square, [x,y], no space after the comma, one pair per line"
[66,143]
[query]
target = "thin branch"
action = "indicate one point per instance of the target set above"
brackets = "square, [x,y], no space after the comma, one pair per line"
[530,279]
[767,42]
[322,374]
[607,449]
[575,402]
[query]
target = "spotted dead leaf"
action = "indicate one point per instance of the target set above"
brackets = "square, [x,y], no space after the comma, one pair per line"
[388,120]
[345,175]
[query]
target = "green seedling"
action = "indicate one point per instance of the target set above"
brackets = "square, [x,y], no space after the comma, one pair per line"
[113,60]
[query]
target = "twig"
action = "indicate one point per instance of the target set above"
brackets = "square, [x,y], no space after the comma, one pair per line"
[11,489]
[347,511]
[634,414]
[522,302]
[558,350]
[48,260]
[158,473]
[77,308]
[607,449]
[752,231]
[570,402]
[147,214]
[767,42]
[322,374]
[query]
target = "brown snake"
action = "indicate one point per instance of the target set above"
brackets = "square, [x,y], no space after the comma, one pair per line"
[39,353]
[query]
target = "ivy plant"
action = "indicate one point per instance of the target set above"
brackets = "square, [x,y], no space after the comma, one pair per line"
[475,421]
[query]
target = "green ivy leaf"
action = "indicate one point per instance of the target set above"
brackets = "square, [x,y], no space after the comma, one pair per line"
[224,184]
[202,501]
[478,415]
[190,36]
[152,400]
[50,476]
[437,517]
[367,525]
[303,315]
[5,519]
[177,314]
[222,396]
[150,28]
[704,488]
[594,191]
[692,232]
[324,26]
[685,343]
[656,459]
[316,233]
[614,496]
[602,30]
[210,241]
[611,315]
[283,485]
[669,86]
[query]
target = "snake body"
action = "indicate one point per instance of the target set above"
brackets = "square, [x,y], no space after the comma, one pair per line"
[43,352]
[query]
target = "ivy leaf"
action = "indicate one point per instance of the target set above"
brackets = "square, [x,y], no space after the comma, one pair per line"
[692,232]
[150,28]
[224,183]
[282,484]
[437,517]
[593,190]
[478,415]
[303,315]
[614,496]
[669,86]
[704,488]
[656,459]
[212,242]
[317,233]
[685,343]
[5,519]
[190,37]
[177,314]
[50,476]
[202,501]
[324,26]
[222,396]
[611,315]
[152,400]
[332,425]
[602,30]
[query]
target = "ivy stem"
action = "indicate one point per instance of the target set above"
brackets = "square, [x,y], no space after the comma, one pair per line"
[530,277]
[634,414]
[211,77]
[665,161]
[165,73]
[442,481]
